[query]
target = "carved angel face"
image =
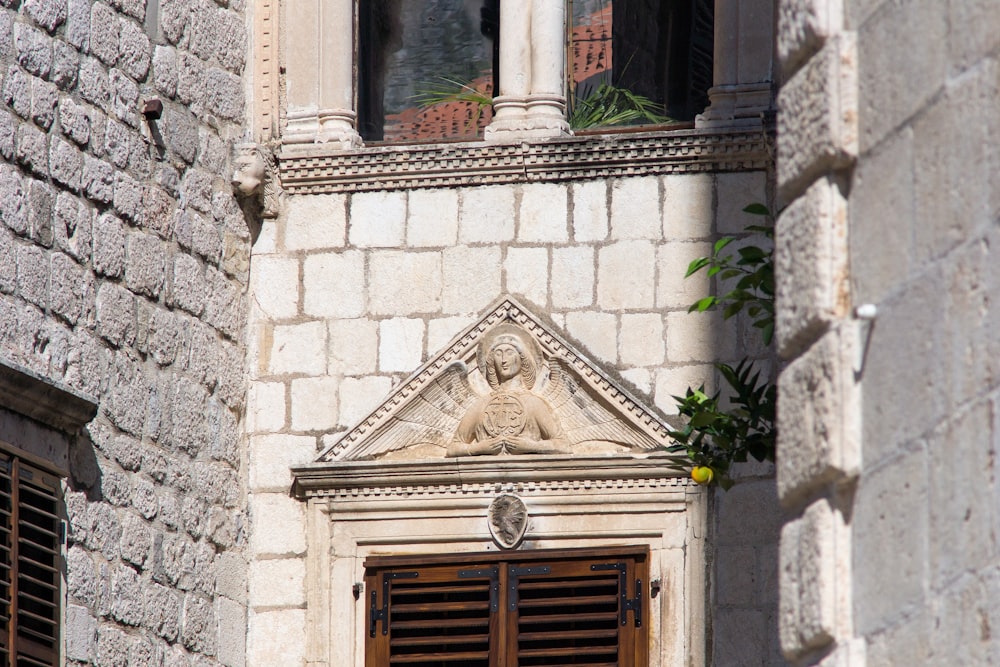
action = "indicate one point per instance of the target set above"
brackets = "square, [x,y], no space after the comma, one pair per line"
[507,360]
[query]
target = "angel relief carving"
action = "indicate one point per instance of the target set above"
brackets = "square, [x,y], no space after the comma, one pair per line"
[514,401]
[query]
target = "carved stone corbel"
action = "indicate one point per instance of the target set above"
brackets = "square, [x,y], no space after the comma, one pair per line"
[255,179]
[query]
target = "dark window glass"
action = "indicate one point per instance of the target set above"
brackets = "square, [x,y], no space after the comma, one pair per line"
[635,62]
[426,68]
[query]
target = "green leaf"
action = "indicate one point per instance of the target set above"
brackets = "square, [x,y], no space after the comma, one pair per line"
[756,209]
[722,243]
[701,305]
[703,419]
[752,253]
[697,265]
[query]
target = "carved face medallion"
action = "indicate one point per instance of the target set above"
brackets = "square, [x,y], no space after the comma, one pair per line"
[508,520]
[504,415]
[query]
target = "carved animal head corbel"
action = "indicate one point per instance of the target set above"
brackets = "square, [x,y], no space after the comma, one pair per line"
[255,178]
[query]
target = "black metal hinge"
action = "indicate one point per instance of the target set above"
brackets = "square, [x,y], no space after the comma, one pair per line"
[626,604]
[375,614]
[491,573]
[513,573]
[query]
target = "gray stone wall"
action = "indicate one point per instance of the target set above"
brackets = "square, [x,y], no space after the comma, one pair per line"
[925,247]
[889,427]
[123,266]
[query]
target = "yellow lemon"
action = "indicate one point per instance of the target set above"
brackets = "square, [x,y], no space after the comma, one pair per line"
[702,474]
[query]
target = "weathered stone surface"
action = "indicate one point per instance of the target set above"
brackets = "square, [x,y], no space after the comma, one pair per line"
[625,276]
[819,414]
[804,26]
[810,549]
[377,219]
[590,211]
[405,283]
[811,267]
[353,346]
[688,206]
[470,278]
[542,216]
[526,273]
[432,218]
[486,215]
[818,123]
[315,222]
[572,277]
[314,403]
[635,208]
[640,340]
[333,286]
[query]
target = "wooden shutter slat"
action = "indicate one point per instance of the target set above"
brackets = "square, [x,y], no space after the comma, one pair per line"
[567,634]
[440,606]
[570,600]
[437,639]
[474,622]
[569,650]
[441,657]
[582,617]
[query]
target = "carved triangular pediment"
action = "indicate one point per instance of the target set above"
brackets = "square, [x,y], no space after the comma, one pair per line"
[508,385]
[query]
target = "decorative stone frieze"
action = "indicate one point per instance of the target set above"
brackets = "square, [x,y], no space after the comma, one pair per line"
[322,170]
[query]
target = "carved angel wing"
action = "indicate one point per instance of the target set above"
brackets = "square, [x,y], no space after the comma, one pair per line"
[429,418]
[584,420]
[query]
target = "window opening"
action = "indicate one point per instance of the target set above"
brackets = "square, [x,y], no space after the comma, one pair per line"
[572,607]
[31,536]
[426,68]
[637,62]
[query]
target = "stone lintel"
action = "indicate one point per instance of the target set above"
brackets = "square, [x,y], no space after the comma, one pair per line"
[43,400]
[324,478]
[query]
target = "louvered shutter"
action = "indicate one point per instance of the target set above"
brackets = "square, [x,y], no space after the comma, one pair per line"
[30,552]
[571,607]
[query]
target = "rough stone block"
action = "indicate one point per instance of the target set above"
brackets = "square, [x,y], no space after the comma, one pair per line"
[673,290]
[199,629]
[44,98]
[734,192]
[299,348]
[33,275]
[278,583]
[78,24]
[98,180]
[688,206]
[276,525]
[819,415]
[104,33]
[572,277]
[377,219]
[401,344]
[314,403]
[65,164]
[432,218]
[471,278]
[804,26]
[811,267]
[526,273]
[818,118]
[277,637]
[272,455]
[404,283]
[542,216]
[274,284]
[116,314]
[353,346]
[903,50]
[33,49]
[265,407]
[32,150]
[49,14]
[315,222]
[598,332]
[232,633]
[145,264]
[590,211]
[626,276]
[224,93]
[134,48]
[640,341]
[165,70]
[333,284]
[71,289]
[814,552]
[635,208]
[80,633]
[65,65]
[486,215]
[359,396]
[889,526]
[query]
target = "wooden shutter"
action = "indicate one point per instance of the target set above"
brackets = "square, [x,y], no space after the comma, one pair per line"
[572,607]
[30,565]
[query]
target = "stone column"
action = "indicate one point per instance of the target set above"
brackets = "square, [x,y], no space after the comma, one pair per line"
[742,64]
[547,101]
[319,46]
[531,103]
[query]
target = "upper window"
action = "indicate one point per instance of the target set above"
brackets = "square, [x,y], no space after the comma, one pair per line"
[580,607]
[428,68]
[31,535]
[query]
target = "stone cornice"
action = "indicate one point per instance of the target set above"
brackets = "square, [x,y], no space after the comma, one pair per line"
[41,399]
[482,474]
[316,169]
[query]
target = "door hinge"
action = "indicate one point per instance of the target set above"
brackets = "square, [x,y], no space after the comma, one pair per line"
[626,604]
[513,573]
[376,614]
[491,573]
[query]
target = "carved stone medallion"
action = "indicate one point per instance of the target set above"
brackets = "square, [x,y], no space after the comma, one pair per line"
[508,521]
[503,415]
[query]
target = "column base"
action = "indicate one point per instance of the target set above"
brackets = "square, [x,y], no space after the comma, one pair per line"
[736,105]
[334,127]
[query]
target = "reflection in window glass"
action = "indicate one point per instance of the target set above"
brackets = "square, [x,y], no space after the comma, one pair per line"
[426,68]
[636,62]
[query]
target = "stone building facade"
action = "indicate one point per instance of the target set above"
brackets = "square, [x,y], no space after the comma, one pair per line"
[187,360]
[887,156]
